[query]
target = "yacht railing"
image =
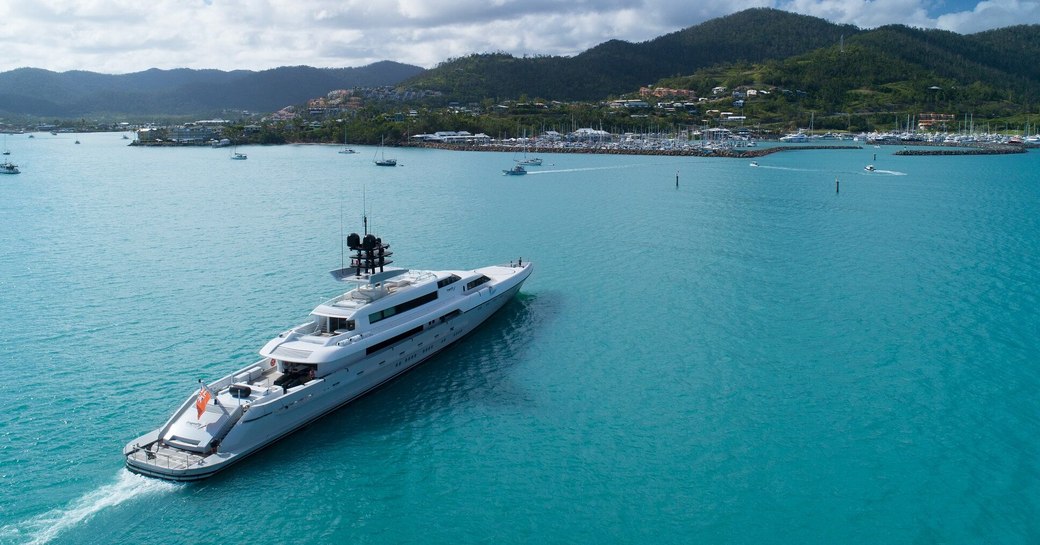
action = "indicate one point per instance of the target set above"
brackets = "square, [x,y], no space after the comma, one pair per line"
[166,458]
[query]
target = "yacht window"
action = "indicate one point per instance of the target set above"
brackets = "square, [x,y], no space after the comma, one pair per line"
[407,305]
[447,281]
[482,280]
[336,323]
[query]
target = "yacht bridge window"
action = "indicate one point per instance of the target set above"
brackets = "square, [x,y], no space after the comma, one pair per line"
[474,283]
[447,281]
[407,305]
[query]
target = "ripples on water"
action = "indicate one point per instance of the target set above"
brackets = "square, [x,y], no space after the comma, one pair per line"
[747,357]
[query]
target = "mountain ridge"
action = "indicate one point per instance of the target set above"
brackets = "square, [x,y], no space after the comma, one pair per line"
[182,91]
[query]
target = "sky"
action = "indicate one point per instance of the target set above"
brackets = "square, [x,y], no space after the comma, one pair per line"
[124,36]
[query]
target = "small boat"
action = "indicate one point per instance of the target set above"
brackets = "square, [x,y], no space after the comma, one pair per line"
[797,137]
[346,150]
[388,321]
[869,168]
[518,170]
[754,163]
[77,141]
[382,161]
[239,156]
[530,161]
[8,167]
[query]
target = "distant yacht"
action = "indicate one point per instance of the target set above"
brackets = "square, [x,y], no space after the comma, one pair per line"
[346,150]
[8,167]
[795,137]
[388,321]
[382,161]
[518,170]
[869,168]
[238,156]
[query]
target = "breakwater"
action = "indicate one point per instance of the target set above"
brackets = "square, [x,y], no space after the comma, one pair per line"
[731,152]
[993,150]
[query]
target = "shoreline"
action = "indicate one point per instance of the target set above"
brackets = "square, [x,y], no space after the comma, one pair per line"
[733,153]
[724,152]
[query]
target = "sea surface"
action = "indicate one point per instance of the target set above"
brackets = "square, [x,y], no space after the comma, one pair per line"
[707,351]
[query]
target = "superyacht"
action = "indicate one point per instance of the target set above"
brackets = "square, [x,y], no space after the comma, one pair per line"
[388,321]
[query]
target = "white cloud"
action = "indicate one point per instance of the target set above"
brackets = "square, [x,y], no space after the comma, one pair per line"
[864,13]
[991,14]
[117,36]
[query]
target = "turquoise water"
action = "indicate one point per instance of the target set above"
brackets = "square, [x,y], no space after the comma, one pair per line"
[749,357]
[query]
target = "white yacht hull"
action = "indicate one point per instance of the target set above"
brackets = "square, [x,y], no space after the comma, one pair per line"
[242,428]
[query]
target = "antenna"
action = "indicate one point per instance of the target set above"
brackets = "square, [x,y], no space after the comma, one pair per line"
[364,209]
[342,257]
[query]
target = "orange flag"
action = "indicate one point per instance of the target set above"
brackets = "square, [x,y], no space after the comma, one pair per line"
[202,400]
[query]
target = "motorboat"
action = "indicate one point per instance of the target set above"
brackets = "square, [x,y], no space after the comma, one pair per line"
[518,170]
[869,168]
[796,137]
[8,167]
[388,321]
[754,163]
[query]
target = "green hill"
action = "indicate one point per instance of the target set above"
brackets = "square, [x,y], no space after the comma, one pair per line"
[837,71]
[617,67]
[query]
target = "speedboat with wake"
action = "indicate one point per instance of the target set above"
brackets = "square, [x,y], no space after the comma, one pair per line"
[388,321]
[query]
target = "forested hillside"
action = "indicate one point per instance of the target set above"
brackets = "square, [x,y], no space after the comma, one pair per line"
[617,67]
[32,91]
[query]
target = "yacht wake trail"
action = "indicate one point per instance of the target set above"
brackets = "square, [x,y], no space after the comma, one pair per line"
[45,527]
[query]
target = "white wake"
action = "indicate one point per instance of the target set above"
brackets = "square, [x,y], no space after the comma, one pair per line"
[45,527]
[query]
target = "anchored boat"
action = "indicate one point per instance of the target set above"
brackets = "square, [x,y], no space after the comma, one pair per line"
[388,321]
